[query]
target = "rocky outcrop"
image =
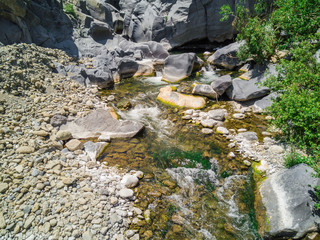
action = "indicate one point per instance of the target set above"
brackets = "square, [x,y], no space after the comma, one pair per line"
[41,22]
[101,123]
[289,199]
[168,96]
[176,22]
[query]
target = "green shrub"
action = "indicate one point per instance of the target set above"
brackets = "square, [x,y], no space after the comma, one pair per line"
[317,193]
[294,158]
[68,8]
[297,108]
[273,25]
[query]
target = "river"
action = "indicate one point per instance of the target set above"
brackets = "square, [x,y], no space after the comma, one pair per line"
[191,189]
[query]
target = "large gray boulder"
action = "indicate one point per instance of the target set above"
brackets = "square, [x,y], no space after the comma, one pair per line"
[226,57]
[101,123]
[288,196]
[242,90]
[221,84]
[178,67]
[99,77]
[100,31]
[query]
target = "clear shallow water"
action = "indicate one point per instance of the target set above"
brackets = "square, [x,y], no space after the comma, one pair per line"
[192,201]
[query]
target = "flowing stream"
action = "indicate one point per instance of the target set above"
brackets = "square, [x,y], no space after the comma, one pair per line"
[190,190]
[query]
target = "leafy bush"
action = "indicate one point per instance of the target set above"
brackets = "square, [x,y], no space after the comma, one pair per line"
[297,108]
[295,158]
[273,25]
[68,8]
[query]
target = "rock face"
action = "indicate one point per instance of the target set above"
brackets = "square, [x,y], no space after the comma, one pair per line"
[226,57]
[168,96]
[101,122]
[288,198]
[178,67]
[176,22]
[23,22]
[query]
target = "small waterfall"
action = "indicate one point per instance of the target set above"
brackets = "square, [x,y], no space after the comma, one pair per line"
[146,109]
[158,74]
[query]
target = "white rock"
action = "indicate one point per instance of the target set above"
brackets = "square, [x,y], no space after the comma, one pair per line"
[2,221]
[247,163]
[74,145]
[25,150]
[63,135]
[126,193]
[276,149]
[130,181]
[239,116]
[222,130]
[206,130]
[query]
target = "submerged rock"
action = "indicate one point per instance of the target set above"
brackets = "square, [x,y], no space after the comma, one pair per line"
[101,122]
[168,96]
[289,198]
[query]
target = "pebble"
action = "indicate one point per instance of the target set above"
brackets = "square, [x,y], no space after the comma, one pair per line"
[126,193]
[41,133]
[231,155]
[28,222]
[4,187]
[276,149]
[25,150]
[247,163]
[130,181]
[115,218]
[87,235]
[46,227]
[208,123]
[63,135]
[2,221]
[222,130]
[206,130]
[239,116]
[74,145]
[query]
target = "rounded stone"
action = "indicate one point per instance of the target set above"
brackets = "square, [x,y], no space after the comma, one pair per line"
[63,135]
[222,130]
[130,181]
[74,145]
[25,150]
[4,187]
[126,193]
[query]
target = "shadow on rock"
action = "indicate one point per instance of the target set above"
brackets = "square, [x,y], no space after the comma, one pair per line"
[42,22]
